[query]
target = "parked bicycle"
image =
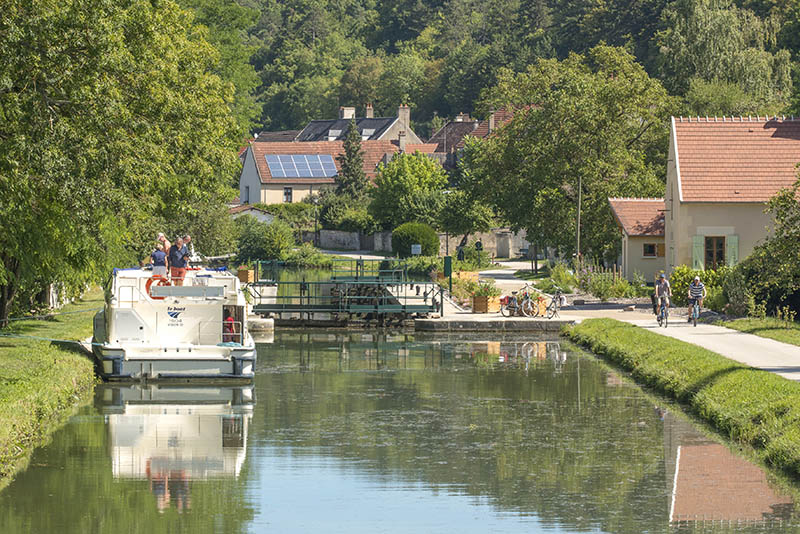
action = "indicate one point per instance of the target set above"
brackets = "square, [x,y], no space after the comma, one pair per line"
[519,303]
[554,305]
[663,312]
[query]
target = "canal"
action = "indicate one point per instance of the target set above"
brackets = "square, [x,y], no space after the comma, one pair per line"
[363,432]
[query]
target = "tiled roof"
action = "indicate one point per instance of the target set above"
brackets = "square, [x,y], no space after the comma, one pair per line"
[448,136]
[735,159]
[318,130]
[500,118]
[283,136]
[423,148]
[639,216]
[374,152]
[246,207]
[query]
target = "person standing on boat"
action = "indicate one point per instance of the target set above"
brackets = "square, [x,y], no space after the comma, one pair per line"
[187,244]
[159,260]
[164,242]
[177,262]
[228,328]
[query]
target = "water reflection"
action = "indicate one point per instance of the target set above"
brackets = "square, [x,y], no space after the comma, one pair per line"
[171,436]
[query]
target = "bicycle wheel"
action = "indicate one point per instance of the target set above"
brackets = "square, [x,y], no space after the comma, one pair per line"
[505,311]
[660,317]
[551,309]
[666,316]
[528,308]
[694,315]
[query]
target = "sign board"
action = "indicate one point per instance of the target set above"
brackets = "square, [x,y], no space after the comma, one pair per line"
[416,250]
[448,265]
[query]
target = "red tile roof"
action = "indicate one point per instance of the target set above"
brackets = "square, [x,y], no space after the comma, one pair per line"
[374,153]
[423,148]
[501,117]
[733,159]
[639,216]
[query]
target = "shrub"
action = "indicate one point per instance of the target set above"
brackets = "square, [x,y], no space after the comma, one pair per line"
[735,290]
[417,266]
[475,259]
[356,219]
[682,276]
[261,241]
[306,255]
[601,286]
[409,234]
[298,215]
[563,277]
[715,300]
[622,289]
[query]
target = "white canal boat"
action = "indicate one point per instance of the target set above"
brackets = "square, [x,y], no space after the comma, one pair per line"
[150,329]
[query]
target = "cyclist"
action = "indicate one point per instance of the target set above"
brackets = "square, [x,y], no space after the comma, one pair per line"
[697,291]
[663,291]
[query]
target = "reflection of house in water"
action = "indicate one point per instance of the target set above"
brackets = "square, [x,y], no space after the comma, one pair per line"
[172,436]
[708,483]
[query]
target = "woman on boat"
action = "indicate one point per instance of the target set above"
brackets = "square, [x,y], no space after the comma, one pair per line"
[228,328]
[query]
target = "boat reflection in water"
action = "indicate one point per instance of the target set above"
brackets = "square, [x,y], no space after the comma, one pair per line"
[173,436]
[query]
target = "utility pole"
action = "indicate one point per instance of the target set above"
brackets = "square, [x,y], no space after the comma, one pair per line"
[578,231]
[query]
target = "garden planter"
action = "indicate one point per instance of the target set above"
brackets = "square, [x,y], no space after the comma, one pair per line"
[246,276]
[485,304]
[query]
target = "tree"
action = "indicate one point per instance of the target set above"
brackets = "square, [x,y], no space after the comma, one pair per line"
[715,41]
[772,270]
[111,123]
[597,122]
[408,189]
[352,181]
[463,215]
[262,241]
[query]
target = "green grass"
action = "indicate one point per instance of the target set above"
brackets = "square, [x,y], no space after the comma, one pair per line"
[41,382]
[769,327]
[750,406]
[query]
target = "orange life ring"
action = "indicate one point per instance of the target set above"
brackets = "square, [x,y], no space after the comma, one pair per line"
[161,282]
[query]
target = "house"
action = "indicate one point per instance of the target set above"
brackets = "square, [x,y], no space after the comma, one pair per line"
[641,221]
[371,128]
[283,136]
[720,174]
[246,209]
[289,172]
[450,139]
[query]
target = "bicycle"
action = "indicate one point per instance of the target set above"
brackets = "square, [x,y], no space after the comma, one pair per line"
[663,313]
[529,304]
[555,303]
[695,311]
[510,306]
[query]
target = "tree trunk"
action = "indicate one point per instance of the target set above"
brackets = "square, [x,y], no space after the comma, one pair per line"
[9,290]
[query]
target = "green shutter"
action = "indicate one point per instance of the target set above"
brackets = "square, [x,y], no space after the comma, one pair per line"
[731,250]
[698,252]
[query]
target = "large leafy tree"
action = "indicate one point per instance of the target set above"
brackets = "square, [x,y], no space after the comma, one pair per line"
[597,122]
[112,126]
[408,189]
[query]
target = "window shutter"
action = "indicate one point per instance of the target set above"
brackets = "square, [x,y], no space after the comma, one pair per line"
[731,250]
[661,251]
[698,252]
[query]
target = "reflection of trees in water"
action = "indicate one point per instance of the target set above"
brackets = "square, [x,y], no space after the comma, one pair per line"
[513,421]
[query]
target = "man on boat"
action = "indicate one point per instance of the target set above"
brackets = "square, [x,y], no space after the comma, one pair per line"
[159,260]
[177,261]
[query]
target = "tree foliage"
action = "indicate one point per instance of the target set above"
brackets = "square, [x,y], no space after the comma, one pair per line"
[112,125]
[408,189]
[531,170]
[262,241]
[351,181]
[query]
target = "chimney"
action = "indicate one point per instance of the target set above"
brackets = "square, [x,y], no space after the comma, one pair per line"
[369,113]
[461,117]
[347,112]
[404,115]
[401,140]
[491,122]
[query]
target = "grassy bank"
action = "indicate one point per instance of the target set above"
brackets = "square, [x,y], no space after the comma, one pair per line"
[768,327]
[750,406]
[40,381]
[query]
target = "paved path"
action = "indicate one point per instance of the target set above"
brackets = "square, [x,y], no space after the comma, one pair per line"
[503,276]
[761,353]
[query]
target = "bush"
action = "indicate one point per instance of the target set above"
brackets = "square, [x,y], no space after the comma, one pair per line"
[715,300]
[306,256]
[563,277]
[409,234]
[682,276]
[475,259]
[735,291]
[261,241]
[298,215]
[417,266]
[486,288]
[601,286]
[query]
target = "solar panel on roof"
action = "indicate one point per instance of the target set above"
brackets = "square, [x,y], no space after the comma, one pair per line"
[301,165]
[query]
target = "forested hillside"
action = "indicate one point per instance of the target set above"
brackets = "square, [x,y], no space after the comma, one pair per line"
[307,57]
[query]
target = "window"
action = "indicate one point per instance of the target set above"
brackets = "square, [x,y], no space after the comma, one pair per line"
[714,252]
[246,199]
[653,250]
[287,194]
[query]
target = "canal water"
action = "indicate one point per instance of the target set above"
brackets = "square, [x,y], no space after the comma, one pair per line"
[363,432]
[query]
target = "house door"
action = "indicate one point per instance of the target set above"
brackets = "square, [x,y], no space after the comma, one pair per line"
[714,252]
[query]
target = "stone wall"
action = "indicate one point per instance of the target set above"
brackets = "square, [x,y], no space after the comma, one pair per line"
[500,242]
[339,240]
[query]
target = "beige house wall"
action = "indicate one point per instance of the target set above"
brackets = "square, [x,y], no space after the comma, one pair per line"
[273,193]
[634,260]
[684,220]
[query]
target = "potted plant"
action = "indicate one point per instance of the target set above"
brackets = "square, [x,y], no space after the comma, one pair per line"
[486,298]
[246,274]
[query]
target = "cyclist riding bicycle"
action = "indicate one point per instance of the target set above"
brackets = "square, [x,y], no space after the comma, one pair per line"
[663,291]
[697,292]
